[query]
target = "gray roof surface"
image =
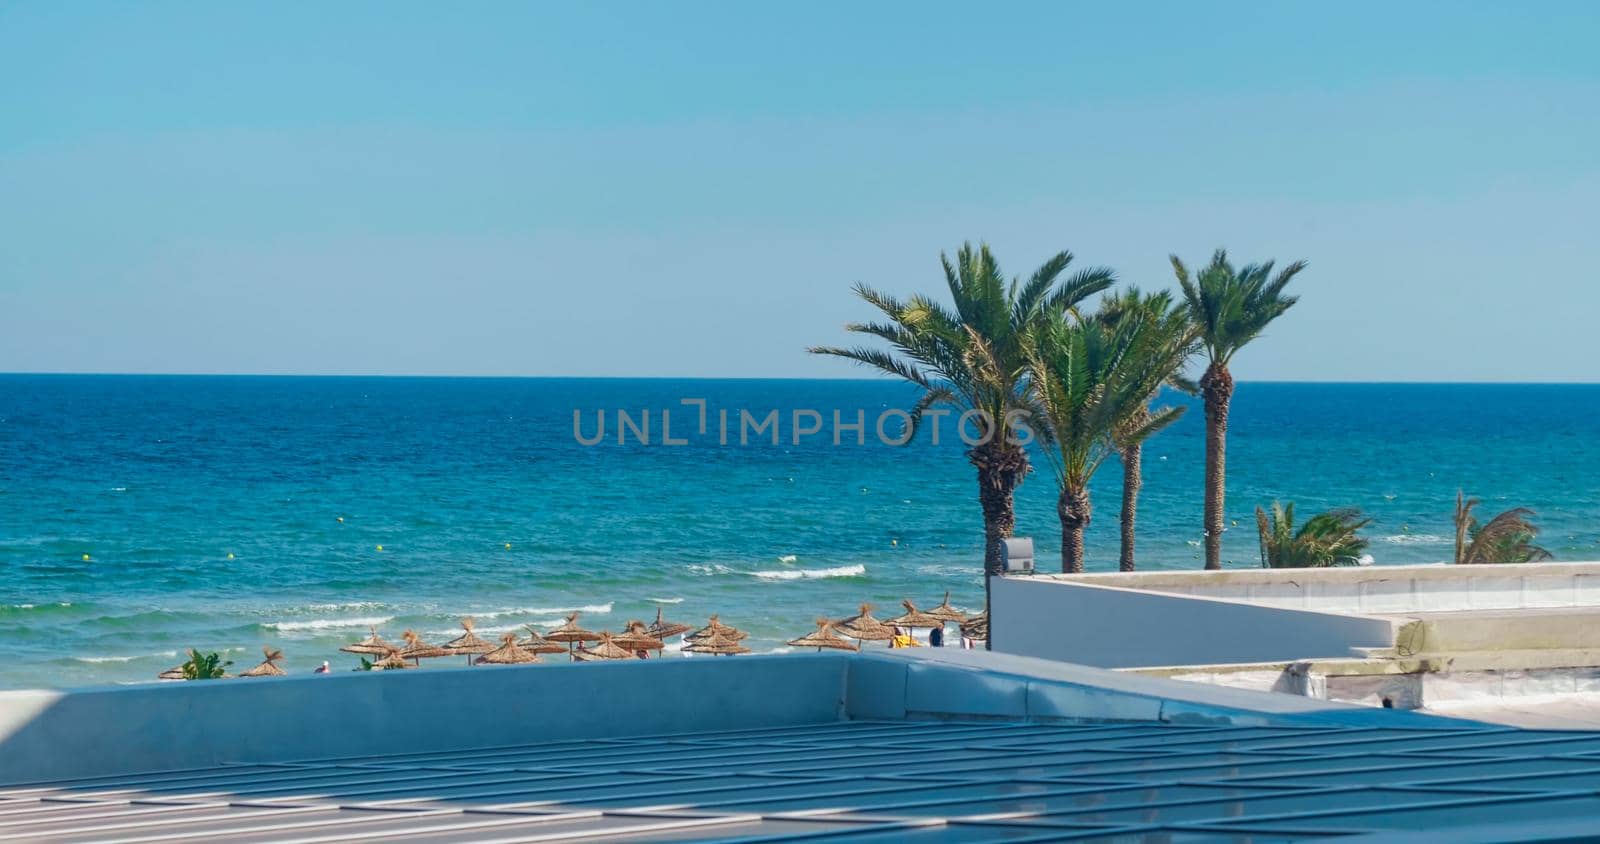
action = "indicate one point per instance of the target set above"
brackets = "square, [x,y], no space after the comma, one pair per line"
[932,781]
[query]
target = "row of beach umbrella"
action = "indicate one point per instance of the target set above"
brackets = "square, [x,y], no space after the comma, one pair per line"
[863,627]
[635,641]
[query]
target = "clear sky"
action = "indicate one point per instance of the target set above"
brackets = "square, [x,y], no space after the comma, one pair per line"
[690,188]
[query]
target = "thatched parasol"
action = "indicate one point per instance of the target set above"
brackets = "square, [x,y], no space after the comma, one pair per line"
[536,643]
[607,649]
[571,633]
[947,612]
[662,628]
[718,645]
[509,653]
[373,645]
[824,637]
[392,662]
[637,639]
[268,666]
[914,617]
[976,627]
[467,643]
[863,627]
[716,629]
[416,649]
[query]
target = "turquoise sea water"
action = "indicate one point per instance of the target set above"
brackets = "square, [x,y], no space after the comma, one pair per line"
[160,479]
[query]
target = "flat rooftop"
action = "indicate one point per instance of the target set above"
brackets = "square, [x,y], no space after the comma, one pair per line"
[945,781]
[933,745]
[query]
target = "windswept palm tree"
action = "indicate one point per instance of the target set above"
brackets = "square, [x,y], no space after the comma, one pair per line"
[972,358]
[1091,377]
[1229,308]
[1173,321]
[1506,538]
[1326,539]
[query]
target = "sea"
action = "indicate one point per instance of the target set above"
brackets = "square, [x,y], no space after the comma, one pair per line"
[144,515]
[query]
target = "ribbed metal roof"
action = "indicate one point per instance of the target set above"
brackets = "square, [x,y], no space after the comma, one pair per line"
[860,781]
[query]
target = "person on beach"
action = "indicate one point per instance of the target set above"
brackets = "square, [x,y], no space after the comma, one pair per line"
[324,669]
[902,639]
[936,637]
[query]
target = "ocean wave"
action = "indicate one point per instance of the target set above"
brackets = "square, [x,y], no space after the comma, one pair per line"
[788,558]
[327,624]
[59,605]
[96,660]
[1416,539]
[348,606]
[708,569]
[856,570]
[664,600]
[596,609]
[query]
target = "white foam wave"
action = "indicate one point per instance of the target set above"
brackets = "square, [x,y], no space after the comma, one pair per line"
[96,660]
[811,574]
[1416,539]
[348,606]
[665,600]
[787,558]
[327,624]
[588,608]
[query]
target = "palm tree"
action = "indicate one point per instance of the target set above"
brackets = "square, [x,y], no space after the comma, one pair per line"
[1326,539]
[1229,308]
[1091,377]
[973,358]
[1506,538]
[1173,321]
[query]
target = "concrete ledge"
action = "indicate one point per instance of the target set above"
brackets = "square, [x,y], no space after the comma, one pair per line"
[52,735]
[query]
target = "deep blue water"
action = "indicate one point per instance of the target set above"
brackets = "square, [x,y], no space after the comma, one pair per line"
[160,479]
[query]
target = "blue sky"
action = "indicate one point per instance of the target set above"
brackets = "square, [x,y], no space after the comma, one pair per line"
[689,189]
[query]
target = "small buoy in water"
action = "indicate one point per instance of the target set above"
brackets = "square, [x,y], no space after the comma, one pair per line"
[341,520]
[230,555]
[86,558]
[380,547]
[508,546]
[895,542]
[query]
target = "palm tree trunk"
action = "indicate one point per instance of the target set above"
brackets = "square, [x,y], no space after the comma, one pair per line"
[1073,508]
[1217,388]
[1001,467]
[1132,480]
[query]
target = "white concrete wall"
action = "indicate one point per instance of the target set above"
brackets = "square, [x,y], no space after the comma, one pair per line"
[1378,589]
[1071,621]
[94,732]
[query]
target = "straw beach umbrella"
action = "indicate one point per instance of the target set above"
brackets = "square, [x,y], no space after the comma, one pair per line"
[373,645]
[716,629]
[172,674]
[268,667]
[637,639]
[863,627]
[417,650]
[467,643]
[914,617]
[823,637]
[717,645]
[509,653]
[976,627]
[947,612]
[536,643]
[571,633]
[607,649]
[392,662]
[662,628]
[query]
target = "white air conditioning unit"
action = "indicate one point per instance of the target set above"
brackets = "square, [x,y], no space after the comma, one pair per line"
[1019,555]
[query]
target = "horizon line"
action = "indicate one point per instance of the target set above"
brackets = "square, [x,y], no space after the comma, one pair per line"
[879,379]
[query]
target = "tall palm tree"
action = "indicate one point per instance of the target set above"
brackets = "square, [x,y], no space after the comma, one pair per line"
[1326,539]
[1090,378]
[1229,308]
[1506,538]
[1173,321]
[973,359]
